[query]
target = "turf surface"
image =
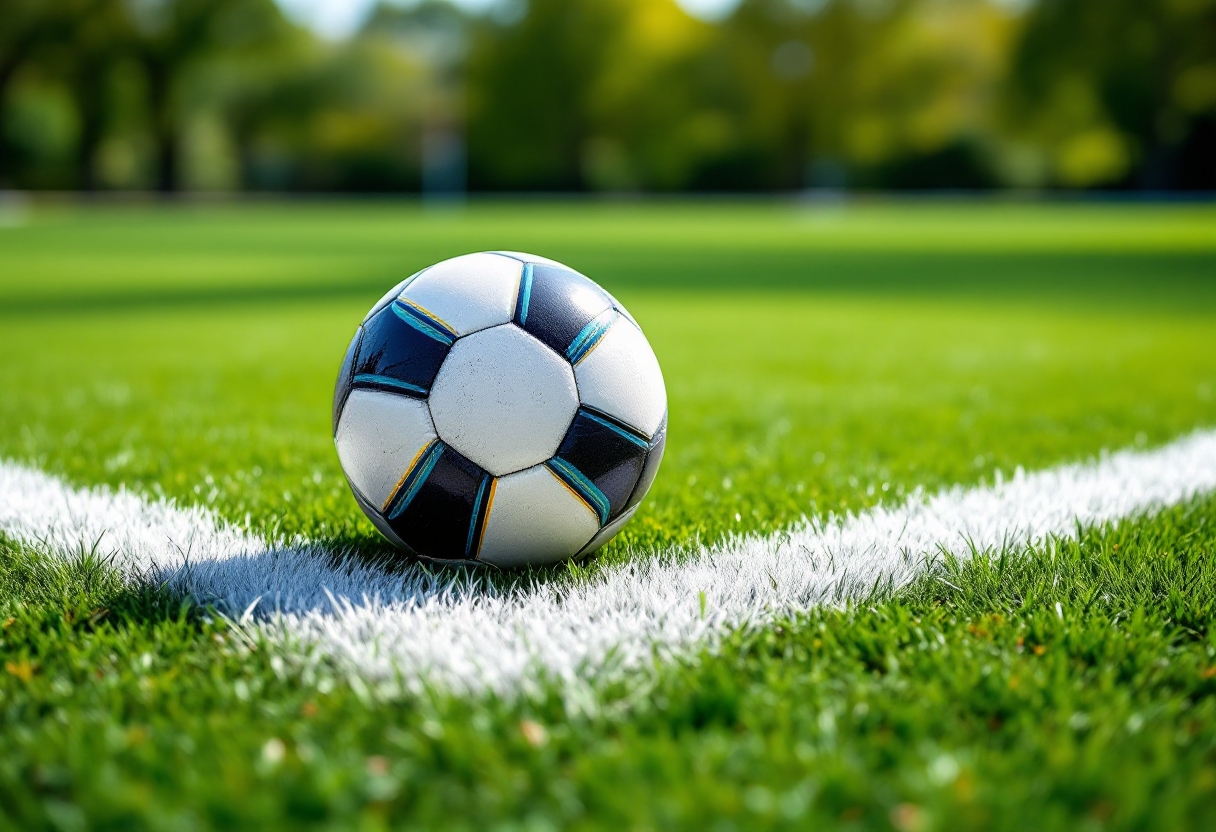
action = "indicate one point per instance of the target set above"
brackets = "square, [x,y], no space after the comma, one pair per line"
[1072,685]
[212,383]
[817,359]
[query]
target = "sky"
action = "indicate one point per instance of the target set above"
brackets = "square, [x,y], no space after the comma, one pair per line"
[338,18]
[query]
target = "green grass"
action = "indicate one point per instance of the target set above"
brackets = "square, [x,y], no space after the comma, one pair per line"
[795,399]
[971,704]
[817,360]
[74,257]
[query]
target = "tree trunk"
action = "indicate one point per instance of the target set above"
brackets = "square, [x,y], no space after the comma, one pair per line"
[166,161]
[164,123]
[796,150]
[9,65]
[246,161]
[91,105]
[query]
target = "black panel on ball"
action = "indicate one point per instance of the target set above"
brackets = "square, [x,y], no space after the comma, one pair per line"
[653,457]
[608,453]
[392,294]
[398,354]
[450,502]
[345,375]
[373,513]
[555,304]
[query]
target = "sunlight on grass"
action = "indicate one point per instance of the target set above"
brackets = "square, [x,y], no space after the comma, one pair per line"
[782,402]
[817,360]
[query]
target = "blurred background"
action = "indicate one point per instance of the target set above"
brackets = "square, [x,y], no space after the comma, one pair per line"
[632,96]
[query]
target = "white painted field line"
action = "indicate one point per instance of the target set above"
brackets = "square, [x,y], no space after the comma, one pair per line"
[417,628]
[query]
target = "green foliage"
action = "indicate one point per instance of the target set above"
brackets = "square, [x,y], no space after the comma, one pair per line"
[27,29]
[617,95]
[532,85]
[1126,89]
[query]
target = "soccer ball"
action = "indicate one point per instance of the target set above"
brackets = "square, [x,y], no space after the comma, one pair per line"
[501,408]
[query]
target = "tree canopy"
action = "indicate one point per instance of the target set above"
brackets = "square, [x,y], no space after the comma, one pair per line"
[622,95]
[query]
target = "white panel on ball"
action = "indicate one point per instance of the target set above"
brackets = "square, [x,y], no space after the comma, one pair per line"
[503,399]
[608,532]
[468,293]
[379,435]
[534,258]
[389,296]
[534,518]
[620,307]
[621,377]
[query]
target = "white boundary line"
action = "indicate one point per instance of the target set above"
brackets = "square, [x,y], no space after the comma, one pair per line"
[457,635]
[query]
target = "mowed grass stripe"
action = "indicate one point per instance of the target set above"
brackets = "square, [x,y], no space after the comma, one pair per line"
[162,254]
[451,632]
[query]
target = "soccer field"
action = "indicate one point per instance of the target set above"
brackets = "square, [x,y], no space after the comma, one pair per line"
[821,361]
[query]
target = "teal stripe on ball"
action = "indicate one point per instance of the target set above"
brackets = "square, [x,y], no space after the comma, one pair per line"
[423,322]
[583,487]
[590,336]
[414,480]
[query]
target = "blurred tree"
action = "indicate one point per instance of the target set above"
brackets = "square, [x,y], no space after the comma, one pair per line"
[612,95]
[660,112]
[435,34]
[309,115]
[171,38]
[532,71]
[367,136]
[805,64]
[25,26]
[922,116]
[1123,92]
[271,92]
[98,37]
